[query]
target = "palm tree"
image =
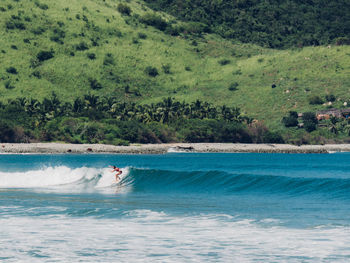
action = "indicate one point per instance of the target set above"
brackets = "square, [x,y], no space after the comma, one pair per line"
[91,101]
[78,105]
[33,107]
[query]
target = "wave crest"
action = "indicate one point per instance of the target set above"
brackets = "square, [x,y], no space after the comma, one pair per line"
[59,176]
[167,181]
[218,182]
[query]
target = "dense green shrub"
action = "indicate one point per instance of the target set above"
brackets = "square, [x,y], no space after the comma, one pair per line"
[12,70]
[36,74]
[224,62]
[154,20]
[58,35]
[8,85]
[272,137]
[166,68]
[212,131]
[7,133]
[293,114]
[174,30]
[233,86]
[195,28]
[315,100]
[81,46]
[291,120]
[38,31]
[60,23]
[91,56]
[94,84]
[142,35]
[14,24]
[108,60]
[151,71]
[124,9]
[330,97]
[41,6]
[309,117]
[309,126]
[45,55]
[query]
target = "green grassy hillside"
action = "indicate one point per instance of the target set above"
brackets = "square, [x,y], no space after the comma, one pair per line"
[97,49]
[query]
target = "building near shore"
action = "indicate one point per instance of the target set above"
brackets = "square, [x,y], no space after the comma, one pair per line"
[337,113]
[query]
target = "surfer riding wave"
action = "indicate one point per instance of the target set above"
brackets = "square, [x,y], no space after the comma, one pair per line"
[118,172]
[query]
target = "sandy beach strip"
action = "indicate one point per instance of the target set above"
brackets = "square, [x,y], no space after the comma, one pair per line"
[52,148]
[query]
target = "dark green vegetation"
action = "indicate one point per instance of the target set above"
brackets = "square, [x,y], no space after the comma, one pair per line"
[92,119]
[336,126]
[127,53]
[272,23]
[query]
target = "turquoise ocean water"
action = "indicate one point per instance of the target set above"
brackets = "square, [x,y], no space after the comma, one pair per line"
[178,207]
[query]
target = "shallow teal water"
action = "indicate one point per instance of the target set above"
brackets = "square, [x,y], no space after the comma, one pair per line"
[175,207]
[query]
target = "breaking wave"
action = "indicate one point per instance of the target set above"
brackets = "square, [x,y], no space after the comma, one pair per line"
[154,180]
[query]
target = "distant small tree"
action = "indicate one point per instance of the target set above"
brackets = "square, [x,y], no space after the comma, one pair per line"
[81,46]
[154,20]
[94,84]
[233,86]
[142,35]
[45,55]
[41,6]
[290,121]
[11,70]
[151,71]
[91,56]
[272,137]
[108,60]
[309,126]
[315,100]
[224,62]
[330,97]
[124,9]
[293,114]
[310,121]
[310,116]
[8,85]
[166,69]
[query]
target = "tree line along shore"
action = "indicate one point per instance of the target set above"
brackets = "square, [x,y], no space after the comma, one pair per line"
[92,119]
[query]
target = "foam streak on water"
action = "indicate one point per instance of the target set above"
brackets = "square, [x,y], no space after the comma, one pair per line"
[210,238]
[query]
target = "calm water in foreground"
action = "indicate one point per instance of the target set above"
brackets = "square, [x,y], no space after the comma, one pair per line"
[175,208]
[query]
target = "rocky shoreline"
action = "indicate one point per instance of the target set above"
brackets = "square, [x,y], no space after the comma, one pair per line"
[56,148]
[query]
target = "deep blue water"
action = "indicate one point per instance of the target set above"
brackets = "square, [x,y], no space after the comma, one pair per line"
[175,207]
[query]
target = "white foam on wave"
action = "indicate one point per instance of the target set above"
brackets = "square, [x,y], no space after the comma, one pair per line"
[149,236]
[59,176]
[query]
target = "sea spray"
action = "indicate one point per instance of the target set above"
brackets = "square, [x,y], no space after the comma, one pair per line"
[58,176]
